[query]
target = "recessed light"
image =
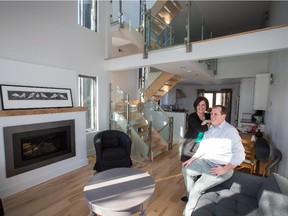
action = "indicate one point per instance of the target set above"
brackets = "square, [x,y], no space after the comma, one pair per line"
[189,71]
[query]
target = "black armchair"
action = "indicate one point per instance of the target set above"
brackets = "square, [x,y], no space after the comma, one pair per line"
[113,150]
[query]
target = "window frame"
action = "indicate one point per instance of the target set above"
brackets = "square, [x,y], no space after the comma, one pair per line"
[92,110]
[86,17]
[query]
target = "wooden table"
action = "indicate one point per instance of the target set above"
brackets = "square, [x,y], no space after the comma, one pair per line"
[119,192]
[260,166]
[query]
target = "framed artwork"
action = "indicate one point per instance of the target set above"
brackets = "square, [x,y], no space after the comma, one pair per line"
[29,97]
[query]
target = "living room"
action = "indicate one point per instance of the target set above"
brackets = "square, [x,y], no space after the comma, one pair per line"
[42,45]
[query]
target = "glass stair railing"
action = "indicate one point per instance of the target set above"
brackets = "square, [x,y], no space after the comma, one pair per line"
[162,124]
[127,115]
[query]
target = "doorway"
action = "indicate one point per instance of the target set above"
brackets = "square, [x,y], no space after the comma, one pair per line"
[222,97]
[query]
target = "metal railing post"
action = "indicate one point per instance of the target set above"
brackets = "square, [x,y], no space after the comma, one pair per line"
[147,21]
[170,144]
[187,39]
[150,141]
[120,17]
[110,106]
[128,115]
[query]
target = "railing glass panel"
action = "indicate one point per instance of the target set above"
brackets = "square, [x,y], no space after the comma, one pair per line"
[118,109]
[160,121]
[126,14]
[123,116]
[167,33]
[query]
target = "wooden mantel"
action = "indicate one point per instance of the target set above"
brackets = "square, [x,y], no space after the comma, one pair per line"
[7,113]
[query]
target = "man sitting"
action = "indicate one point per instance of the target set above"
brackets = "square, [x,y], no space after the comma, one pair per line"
[220,151]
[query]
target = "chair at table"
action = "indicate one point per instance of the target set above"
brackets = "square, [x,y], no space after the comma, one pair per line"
[250,161]
[276,157]
[262,150]
[262,154]
[113,150]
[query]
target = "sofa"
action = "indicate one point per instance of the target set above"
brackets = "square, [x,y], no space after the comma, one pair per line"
[245,194]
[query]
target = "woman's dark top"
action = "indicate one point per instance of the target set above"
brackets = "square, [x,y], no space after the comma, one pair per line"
[194,125]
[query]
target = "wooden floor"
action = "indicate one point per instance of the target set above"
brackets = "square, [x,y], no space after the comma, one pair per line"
[64,195]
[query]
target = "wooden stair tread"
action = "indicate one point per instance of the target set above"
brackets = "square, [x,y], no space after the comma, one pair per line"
[140,125]
[142,133]
[158,149]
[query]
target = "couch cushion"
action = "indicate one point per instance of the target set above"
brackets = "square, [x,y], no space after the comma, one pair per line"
[273,196]
[244,183]
[226,203]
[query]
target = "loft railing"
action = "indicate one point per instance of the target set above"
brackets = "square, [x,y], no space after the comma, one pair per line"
[143,17]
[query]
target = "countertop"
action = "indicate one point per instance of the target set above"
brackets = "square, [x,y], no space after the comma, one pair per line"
[249,121]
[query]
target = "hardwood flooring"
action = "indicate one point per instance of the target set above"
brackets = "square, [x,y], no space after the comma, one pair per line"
[63,195]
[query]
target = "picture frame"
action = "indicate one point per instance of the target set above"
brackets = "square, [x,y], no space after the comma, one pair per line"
[14,97]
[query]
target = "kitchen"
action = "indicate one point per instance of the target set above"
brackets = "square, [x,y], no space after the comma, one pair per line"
[248,104]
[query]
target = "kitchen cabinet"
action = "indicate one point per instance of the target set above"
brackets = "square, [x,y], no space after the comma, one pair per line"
[261,91]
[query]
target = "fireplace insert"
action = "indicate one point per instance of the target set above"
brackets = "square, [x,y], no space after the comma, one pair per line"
[28,147]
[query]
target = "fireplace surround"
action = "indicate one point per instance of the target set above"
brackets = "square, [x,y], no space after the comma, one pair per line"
[25,180]
[31,146]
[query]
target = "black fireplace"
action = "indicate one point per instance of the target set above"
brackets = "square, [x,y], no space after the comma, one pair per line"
[28,147]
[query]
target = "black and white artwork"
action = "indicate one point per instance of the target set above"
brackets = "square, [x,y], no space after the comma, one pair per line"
[28,97]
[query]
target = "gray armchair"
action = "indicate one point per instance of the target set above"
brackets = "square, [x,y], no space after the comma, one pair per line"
[276,157]
[264,152]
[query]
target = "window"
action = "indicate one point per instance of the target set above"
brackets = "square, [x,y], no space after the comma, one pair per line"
[87,14]
[87,98]
[214,98]
[222,97]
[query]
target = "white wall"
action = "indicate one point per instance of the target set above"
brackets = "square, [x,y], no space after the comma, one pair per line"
[20,73]
[278,13]
[242,66]
[246,97]
[46,33]
[276,115]
[127,81]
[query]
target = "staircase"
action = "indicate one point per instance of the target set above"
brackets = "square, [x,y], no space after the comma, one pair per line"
[161,85]
[128,116]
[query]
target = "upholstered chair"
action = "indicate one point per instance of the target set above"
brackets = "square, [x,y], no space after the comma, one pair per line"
[113,150]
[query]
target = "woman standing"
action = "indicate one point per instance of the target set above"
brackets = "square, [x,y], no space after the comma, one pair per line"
[198,123]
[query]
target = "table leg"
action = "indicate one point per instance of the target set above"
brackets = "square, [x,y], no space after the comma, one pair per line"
[91,210]
[142,211]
